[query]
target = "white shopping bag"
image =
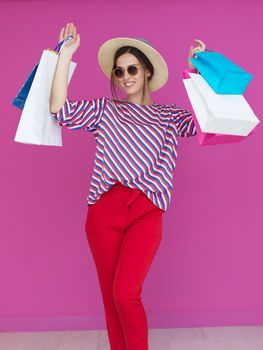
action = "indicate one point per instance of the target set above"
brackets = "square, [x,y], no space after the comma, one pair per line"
[37,125]
[219,113]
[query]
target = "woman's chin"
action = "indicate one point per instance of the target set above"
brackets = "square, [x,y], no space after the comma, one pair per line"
[130,90]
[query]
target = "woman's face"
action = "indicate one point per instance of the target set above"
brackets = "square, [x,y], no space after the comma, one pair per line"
[136,88]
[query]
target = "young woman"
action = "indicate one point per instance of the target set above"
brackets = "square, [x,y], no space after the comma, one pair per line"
[132,179]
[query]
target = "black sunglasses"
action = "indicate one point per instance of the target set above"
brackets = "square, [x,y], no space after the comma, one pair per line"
[132,70]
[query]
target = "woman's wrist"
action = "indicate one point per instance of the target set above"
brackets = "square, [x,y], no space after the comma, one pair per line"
[65,56]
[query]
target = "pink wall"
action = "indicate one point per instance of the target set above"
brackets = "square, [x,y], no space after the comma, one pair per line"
[208,270]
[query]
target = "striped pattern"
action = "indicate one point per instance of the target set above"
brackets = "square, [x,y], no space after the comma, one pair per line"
[136,144]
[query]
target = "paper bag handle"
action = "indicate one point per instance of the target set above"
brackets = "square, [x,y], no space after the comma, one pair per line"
[59,46]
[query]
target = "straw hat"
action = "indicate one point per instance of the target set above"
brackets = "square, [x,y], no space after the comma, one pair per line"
[107,51]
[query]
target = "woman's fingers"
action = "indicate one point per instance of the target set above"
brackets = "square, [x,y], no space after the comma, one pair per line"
[70,29]
[199,48]
[65,31]
[193,49]
[200,43]
[74,31]
[61,35]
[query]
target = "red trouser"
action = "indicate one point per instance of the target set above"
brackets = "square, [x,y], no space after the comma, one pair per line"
[124,230]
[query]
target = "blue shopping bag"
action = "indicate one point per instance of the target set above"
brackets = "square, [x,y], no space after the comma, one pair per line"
[20,99]
[223,75]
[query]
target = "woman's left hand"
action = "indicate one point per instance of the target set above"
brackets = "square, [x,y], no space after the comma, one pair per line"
[200,48]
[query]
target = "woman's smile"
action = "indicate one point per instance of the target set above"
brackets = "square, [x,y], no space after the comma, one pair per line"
[129,83]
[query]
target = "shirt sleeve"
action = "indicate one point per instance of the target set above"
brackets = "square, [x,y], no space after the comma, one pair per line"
[184,121]
[81,114]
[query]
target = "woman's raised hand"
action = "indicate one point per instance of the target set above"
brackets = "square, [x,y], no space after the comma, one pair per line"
[70,46]
[200,48]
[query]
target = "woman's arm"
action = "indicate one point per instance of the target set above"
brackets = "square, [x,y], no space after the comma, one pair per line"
[81,114]
[184,121]
[60,83]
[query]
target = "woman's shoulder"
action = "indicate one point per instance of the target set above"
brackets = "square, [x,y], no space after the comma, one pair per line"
[104,100]
[121,102]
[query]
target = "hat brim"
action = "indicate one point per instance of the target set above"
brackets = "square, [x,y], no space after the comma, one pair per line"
[107,51]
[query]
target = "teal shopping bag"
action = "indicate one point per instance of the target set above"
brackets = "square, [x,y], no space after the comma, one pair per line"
[223,75]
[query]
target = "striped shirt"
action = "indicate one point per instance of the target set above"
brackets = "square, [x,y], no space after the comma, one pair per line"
[136,144]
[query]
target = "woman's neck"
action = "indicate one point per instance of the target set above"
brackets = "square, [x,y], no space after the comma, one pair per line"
[138,100]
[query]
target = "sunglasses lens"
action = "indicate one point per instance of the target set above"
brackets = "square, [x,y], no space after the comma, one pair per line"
[132,70]
[118,73]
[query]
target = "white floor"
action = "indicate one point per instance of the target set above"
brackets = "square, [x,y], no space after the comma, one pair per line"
[206,338]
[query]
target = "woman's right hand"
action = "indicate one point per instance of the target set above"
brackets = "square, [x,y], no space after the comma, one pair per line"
[71,46]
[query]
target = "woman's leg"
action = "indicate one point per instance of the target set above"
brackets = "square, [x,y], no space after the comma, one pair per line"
[124,230]
[104,227]
[138,249]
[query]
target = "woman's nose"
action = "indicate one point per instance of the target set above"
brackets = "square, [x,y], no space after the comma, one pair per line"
[126,74]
